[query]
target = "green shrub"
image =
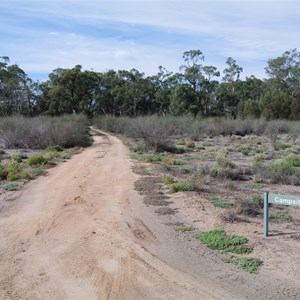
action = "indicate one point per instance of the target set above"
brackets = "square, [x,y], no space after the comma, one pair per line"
[224,162]
[183,186]
[246,151]
[281,146]
[16,157]
[259,200]
[281,216]
[256,186]
[249,264]
[10,187]
[36,160]
[281,171]
[293,160]
[54,148]
[186,228]
[2,151]
[220,202]
[218,240]
[168,179]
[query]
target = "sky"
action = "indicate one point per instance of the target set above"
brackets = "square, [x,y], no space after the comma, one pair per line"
[42,35]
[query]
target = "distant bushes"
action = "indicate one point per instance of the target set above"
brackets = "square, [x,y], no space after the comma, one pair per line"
[41,132]
[162,128]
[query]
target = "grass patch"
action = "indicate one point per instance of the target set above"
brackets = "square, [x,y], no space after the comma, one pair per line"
[254,186]
[168,179]
[249,264]
[186,228]
[259,200]
[54,148]
[218,202]
[218,240]
[36,160]
[282,146]
[281,216]
[183,186]
[10,187]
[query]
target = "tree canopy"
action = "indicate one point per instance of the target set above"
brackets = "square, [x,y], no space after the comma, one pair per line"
[196,90]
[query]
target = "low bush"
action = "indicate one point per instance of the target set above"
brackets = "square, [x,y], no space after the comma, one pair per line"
[168,179]
[183,186]
[218,202]
[41,132]
[36,160]
[281,216]
[258,200]
[54,148]
[280,171]
[10,187]
[247,208]
[218,240]
[249,264]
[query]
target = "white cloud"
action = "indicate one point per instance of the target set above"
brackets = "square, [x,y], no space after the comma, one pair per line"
[42,35]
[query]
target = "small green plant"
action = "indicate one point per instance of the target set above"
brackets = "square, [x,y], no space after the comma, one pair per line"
[293,160]
[2,151]
[218,240]
[64,155]
[224,162]
[254,186]
[186,228]
[10,187]
[189,143]
[17,157]
[229,184]
[36,160]
[168,179]
[54,148]
[259,200]
[249,264]
[245,151]
[183,186]
[281,216]
[218,202]
[281,146]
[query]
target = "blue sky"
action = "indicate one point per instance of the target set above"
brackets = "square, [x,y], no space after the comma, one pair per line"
[42,35]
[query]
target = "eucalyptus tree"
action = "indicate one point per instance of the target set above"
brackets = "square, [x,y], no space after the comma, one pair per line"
[200,80]
[227,96]
[16,94]
[284,73]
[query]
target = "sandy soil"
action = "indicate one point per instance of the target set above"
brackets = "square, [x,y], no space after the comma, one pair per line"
[82,232]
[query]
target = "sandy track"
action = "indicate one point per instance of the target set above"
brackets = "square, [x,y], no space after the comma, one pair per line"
[82,232]
[78,233]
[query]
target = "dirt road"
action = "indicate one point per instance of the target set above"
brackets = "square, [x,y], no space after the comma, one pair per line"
[82,232]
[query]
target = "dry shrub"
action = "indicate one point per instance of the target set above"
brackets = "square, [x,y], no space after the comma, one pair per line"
[41,132]
[165,211]
[156,199]
[147,185]
[231,216]
[247,208]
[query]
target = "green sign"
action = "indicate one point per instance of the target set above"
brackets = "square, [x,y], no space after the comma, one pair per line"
[276,199]
[284,200]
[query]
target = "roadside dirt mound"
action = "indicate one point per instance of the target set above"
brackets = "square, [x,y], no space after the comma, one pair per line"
[83,232]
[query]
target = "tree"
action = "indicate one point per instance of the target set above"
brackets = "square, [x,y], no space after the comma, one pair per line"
[16,90]
[285,73]
[227,96]
[199,78]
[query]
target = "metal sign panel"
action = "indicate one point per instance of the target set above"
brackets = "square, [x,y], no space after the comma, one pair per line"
[284,200]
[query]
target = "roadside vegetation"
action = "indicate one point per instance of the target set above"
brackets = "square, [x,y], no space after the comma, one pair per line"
[221,170]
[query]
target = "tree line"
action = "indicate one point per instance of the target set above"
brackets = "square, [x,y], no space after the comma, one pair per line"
[197,89]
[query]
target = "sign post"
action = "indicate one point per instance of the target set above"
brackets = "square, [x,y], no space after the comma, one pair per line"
[266,214]
[276,199]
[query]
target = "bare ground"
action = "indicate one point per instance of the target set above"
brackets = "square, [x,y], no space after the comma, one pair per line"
[83,232]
